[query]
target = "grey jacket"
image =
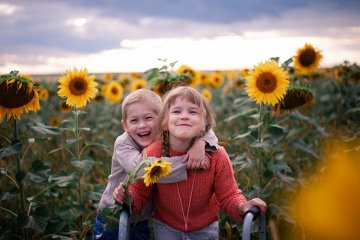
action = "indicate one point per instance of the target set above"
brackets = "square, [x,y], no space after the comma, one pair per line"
[127,155]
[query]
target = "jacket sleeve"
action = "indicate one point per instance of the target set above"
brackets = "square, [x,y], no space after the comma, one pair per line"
[230,196]
[126,153]
[211,141]
[140,194]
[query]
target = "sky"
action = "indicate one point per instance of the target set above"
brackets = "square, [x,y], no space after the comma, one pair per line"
[51,36]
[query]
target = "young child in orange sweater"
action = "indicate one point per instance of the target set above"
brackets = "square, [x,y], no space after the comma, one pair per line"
[189,209]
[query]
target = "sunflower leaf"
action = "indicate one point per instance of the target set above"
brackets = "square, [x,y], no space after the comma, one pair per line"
[55,150]
[91,144]
[242,135]
[86,164]
[255,126]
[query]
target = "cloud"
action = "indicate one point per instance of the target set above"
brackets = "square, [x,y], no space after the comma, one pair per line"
[43,32]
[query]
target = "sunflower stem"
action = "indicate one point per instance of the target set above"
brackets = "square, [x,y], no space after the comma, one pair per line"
[18,166]
[77,155]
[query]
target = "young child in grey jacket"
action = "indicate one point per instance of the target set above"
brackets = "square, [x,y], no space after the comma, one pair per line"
[140,111]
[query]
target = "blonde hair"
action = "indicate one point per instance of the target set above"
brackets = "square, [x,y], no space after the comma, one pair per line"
[141,95]
[195,97]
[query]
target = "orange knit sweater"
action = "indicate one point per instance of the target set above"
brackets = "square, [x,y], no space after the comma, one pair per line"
[212,189]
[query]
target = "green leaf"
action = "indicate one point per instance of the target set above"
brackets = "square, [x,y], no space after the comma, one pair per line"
[243,135]
[20,176]
[55,150]
[44,129]
[39,166]
[276,130]
[72,141]
[23,221]
[40,219]
[55,225]
[37,178]
[13,193]
[61,181]
[86,164]
[90,144]
[14,148]
[300,145]
[252,127]
[279,166]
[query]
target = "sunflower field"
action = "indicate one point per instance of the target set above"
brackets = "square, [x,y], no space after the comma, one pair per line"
[291,129]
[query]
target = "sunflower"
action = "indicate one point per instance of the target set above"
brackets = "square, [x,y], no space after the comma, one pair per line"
[244,72]
[216,79]
[339,74]
[203,78]
[124,80]
[307,59]
[43,93]
[207,95]
[54,121]
[135,75]
[17,94]
[158,168]
[239,83]
[64,107]
[230,74]
[190,75]
[77,87]
[114,92]
[107,77]
[99,98]
[138,84]
[267,83]
[295,97]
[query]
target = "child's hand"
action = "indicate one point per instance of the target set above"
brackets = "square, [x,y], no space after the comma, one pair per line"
[242,208]
[196,157]
[119,193]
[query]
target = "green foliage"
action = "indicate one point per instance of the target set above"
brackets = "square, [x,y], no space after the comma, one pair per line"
[52,177]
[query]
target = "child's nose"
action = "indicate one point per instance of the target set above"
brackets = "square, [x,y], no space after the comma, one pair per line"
[142,124]
[184,115]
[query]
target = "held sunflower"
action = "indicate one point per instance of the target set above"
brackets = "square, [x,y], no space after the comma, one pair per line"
[77,87]
[157,169]
[267,83]
[17,94]
[307,59]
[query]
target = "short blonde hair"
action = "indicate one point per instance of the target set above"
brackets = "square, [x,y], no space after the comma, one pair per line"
[193,96]
[142,95]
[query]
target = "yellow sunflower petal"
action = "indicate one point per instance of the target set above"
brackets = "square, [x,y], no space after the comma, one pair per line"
[307,59]
[77,87]
[267,84]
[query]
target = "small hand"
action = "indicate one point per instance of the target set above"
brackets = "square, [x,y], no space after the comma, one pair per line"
[244,207]
[196,156]
[119,193]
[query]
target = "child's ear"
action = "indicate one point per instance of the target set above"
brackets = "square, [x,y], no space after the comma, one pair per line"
[123,124]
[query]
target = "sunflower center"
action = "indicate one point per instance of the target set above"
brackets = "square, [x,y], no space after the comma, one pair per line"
[155,171]
[266,82]
[12,97]
[78,86]
[114,91]
[307,57]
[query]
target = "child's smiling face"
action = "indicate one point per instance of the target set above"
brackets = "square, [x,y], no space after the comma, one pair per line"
[141,123]
[186,120]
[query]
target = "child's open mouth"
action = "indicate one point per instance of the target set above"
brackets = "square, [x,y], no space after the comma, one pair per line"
[144,134]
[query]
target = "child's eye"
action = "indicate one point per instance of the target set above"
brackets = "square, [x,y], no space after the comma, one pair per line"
[133,121]
[175,111]
[149,118]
